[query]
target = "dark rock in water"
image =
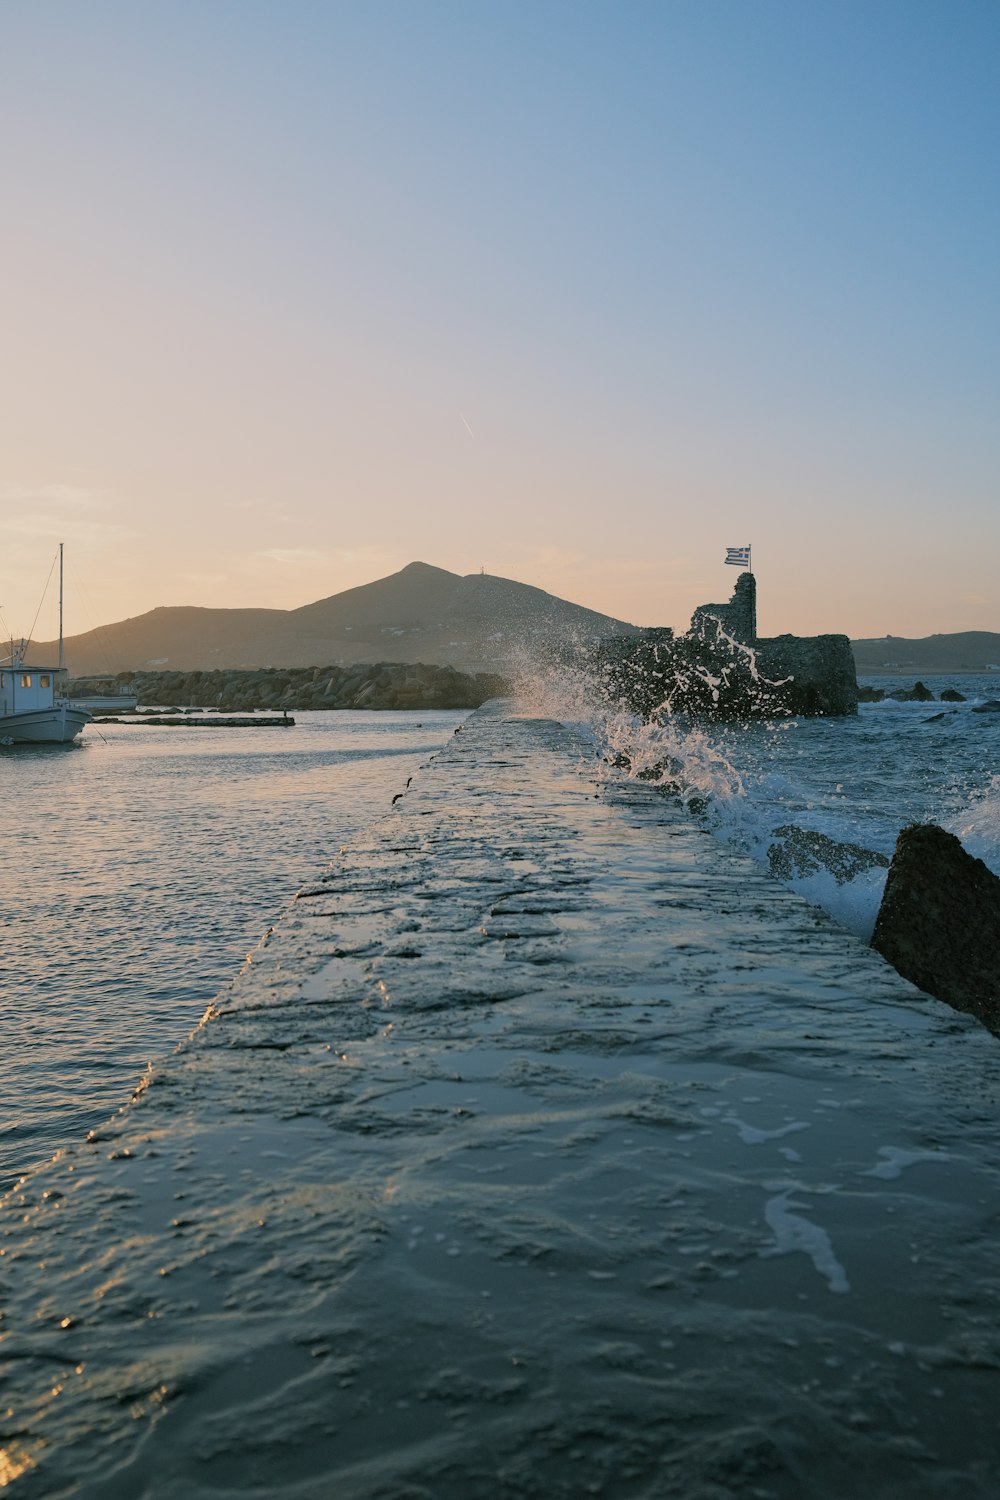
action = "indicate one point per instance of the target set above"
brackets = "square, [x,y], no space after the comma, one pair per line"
[936,718]
[871,695]
[803,852]
[939,923]
[991,706]
[951,696]
[918,693]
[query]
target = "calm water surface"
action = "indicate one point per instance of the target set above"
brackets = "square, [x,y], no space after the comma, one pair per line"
[138,869]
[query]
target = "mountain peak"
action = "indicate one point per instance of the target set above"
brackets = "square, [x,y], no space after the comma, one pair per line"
[426,570]
[420,614]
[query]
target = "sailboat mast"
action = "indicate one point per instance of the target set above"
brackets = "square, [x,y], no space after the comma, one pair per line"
[60,609]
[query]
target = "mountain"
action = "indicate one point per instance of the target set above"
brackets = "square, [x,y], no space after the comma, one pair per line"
[476,623]
[965,651]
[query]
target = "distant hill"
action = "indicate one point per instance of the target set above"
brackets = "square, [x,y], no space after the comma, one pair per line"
[965,651]
[475,623]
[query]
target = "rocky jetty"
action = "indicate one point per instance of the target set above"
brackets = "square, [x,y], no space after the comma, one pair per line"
[197,720]
[381,685]
[720,668]
[939,922]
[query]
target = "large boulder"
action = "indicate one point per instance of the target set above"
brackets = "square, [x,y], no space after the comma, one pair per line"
[939,922]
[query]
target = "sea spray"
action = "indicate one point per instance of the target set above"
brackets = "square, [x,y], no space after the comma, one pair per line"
[977,824]
[818,802]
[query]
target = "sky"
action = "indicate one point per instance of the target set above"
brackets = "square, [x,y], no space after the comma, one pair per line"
[294,293]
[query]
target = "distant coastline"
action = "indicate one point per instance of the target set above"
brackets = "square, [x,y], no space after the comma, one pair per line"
[929,671]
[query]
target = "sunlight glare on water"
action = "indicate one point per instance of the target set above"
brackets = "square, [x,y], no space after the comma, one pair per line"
[139,868]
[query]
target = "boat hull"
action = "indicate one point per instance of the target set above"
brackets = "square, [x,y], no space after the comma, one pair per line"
[57,725]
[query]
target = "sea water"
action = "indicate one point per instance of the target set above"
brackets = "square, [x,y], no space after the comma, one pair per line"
[138,868]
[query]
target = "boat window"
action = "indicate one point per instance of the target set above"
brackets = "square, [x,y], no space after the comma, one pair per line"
[25,679]
[45,680]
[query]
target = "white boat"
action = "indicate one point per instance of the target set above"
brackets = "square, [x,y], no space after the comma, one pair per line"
[106,703]
[33,711]
[30,712]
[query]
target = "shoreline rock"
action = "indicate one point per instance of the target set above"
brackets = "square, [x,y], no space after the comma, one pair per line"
[939,922]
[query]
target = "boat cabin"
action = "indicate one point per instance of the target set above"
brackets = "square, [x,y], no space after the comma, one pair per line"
[24,689]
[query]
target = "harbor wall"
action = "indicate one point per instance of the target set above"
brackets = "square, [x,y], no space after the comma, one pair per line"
[544,1146]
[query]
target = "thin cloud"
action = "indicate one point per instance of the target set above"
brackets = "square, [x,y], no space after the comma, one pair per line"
[71,496]
[297,556]
[50,513]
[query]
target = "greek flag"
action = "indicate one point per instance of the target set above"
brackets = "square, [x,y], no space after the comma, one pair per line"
[738,557]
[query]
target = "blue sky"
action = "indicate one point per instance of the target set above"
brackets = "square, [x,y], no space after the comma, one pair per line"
[581,293]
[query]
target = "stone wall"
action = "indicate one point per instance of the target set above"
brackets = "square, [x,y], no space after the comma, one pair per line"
[737,619]
[721,669]
[814,674]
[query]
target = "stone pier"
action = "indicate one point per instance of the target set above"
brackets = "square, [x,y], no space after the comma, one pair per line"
[544,1148]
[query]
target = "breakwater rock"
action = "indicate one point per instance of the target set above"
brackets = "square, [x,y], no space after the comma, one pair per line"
[209,721]
[382,685]
[544,1147]
[721,669]
[939,922]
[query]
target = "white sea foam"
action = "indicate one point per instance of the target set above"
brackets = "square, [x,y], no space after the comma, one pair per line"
[854,781]
[896,1160]
[795,1235]
[978,824]
[750,1135]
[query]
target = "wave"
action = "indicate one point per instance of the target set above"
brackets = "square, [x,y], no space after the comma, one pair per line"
[819,803]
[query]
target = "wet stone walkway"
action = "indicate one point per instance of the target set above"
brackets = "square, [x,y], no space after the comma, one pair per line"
[544,1148]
